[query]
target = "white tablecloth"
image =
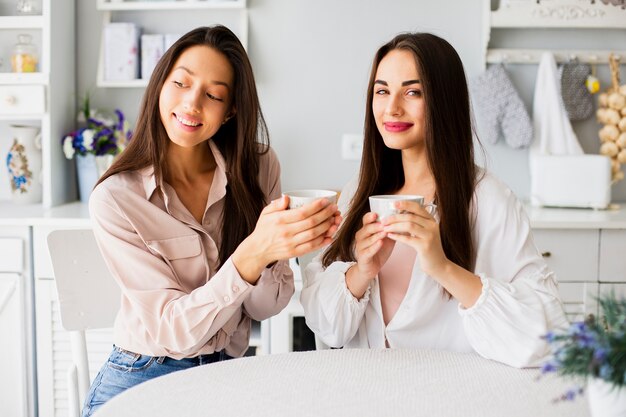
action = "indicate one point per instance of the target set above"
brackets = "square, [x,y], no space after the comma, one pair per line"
[350,382]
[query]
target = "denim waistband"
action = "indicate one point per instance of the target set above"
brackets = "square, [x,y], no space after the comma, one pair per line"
[195,360]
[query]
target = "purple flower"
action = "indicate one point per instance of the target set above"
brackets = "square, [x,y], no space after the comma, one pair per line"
[599,354]
[549,367]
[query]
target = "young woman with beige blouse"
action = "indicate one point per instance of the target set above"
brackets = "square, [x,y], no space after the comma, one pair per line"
[191,222]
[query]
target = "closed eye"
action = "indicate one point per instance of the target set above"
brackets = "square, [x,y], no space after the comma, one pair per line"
[212,97]
[178,84]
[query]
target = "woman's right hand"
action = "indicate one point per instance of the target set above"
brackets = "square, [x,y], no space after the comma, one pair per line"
[372,250]
[282,234]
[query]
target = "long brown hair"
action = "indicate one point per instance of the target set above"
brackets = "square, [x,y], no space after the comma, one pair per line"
[449,145]
[241,140]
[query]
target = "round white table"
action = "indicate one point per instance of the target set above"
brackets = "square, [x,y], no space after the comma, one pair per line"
[350,382]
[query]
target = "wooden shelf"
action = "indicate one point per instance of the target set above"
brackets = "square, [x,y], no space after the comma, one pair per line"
[170,5]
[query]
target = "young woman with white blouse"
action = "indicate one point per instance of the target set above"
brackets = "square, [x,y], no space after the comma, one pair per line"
[469,277]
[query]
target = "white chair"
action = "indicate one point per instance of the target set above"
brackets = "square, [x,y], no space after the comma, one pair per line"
[89,298]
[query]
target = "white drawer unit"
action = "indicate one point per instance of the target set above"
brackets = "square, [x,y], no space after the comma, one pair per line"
[572,254]
[12,251]
[13,380]
[579,299]
[618,289]
[613,256]
[14,324]
[22,100]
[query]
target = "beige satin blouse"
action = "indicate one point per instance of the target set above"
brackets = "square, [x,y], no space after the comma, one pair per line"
[174,300]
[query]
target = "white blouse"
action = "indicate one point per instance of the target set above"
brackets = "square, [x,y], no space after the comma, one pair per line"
[519,301]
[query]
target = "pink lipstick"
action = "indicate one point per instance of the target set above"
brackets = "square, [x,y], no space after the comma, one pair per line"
[397,126]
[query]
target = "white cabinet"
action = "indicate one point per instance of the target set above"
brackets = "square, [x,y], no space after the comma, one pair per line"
[613,260]
[44,98]
[161,17]
[13,382]
[16,340]
[572,254]
[585,262]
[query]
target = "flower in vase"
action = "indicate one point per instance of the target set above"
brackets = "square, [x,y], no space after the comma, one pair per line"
[592,348]
[103,134]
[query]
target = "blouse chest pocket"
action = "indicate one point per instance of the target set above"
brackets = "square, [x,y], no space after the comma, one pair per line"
[182,254]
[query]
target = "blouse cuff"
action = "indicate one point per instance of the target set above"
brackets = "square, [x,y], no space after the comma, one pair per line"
[352,300]
[481,298]
[279,272]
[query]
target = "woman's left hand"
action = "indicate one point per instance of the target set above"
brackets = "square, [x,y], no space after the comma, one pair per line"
[416,227]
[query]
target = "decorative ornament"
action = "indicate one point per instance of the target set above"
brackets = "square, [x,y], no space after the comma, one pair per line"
[612,114]
[592,83]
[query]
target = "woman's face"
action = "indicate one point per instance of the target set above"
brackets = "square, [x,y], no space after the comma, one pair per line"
[397,104]
[196,97]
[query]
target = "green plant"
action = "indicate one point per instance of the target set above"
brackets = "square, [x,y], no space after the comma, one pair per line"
[595,347]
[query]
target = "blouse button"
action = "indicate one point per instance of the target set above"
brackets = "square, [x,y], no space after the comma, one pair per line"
[226,298]
[235,288]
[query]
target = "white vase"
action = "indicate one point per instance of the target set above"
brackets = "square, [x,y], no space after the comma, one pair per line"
[24,164]
[605,400]
[90,168]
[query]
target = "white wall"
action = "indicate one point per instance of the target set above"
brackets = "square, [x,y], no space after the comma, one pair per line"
[312,59]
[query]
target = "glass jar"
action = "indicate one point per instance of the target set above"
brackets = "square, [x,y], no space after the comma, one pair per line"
[26,7]
[24,57]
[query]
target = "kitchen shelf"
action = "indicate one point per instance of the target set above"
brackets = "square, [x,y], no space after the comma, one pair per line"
[20,117]
[19,78]
[21,22]
[111,8]
[49,93]
[170,5]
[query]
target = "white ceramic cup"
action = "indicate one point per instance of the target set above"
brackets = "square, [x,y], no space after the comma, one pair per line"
[383,205]
[298,198]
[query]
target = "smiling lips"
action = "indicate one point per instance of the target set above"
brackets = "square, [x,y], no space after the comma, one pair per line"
[397,126]
[187,123]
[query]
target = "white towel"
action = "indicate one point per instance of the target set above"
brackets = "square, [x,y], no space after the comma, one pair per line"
[553,133]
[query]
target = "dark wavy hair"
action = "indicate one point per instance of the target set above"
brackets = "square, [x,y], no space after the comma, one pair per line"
[241,140]
[449,146]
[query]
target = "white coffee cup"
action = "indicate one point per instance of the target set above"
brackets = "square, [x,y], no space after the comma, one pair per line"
[298,198]
[384,205]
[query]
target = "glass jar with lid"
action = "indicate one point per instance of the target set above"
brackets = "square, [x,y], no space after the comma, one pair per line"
[24,57]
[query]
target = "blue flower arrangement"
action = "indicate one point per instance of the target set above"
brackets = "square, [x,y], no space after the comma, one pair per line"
[593,348]
[102,135]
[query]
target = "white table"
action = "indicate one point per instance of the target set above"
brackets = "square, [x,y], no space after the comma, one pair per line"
[350,382]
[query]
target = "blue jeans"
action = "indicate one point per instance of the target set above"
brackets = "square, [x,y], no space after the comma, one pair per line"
[126,369]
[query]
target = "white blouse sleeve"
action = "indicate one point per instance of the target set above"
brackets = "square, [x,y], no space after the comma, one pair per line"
[330,309]
[519,302]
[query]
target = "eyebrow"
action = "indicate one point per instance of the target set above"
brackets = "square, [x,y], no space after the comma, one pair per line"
[404,83]
[190,72]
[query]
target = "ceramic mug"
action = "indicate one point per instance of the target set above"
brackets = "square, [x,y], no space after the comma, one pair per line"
[383,205]
[299,198]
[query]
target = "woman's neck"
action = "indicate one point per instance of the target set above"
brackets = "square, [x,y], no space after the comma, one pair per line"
[185,165]
[418,178]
